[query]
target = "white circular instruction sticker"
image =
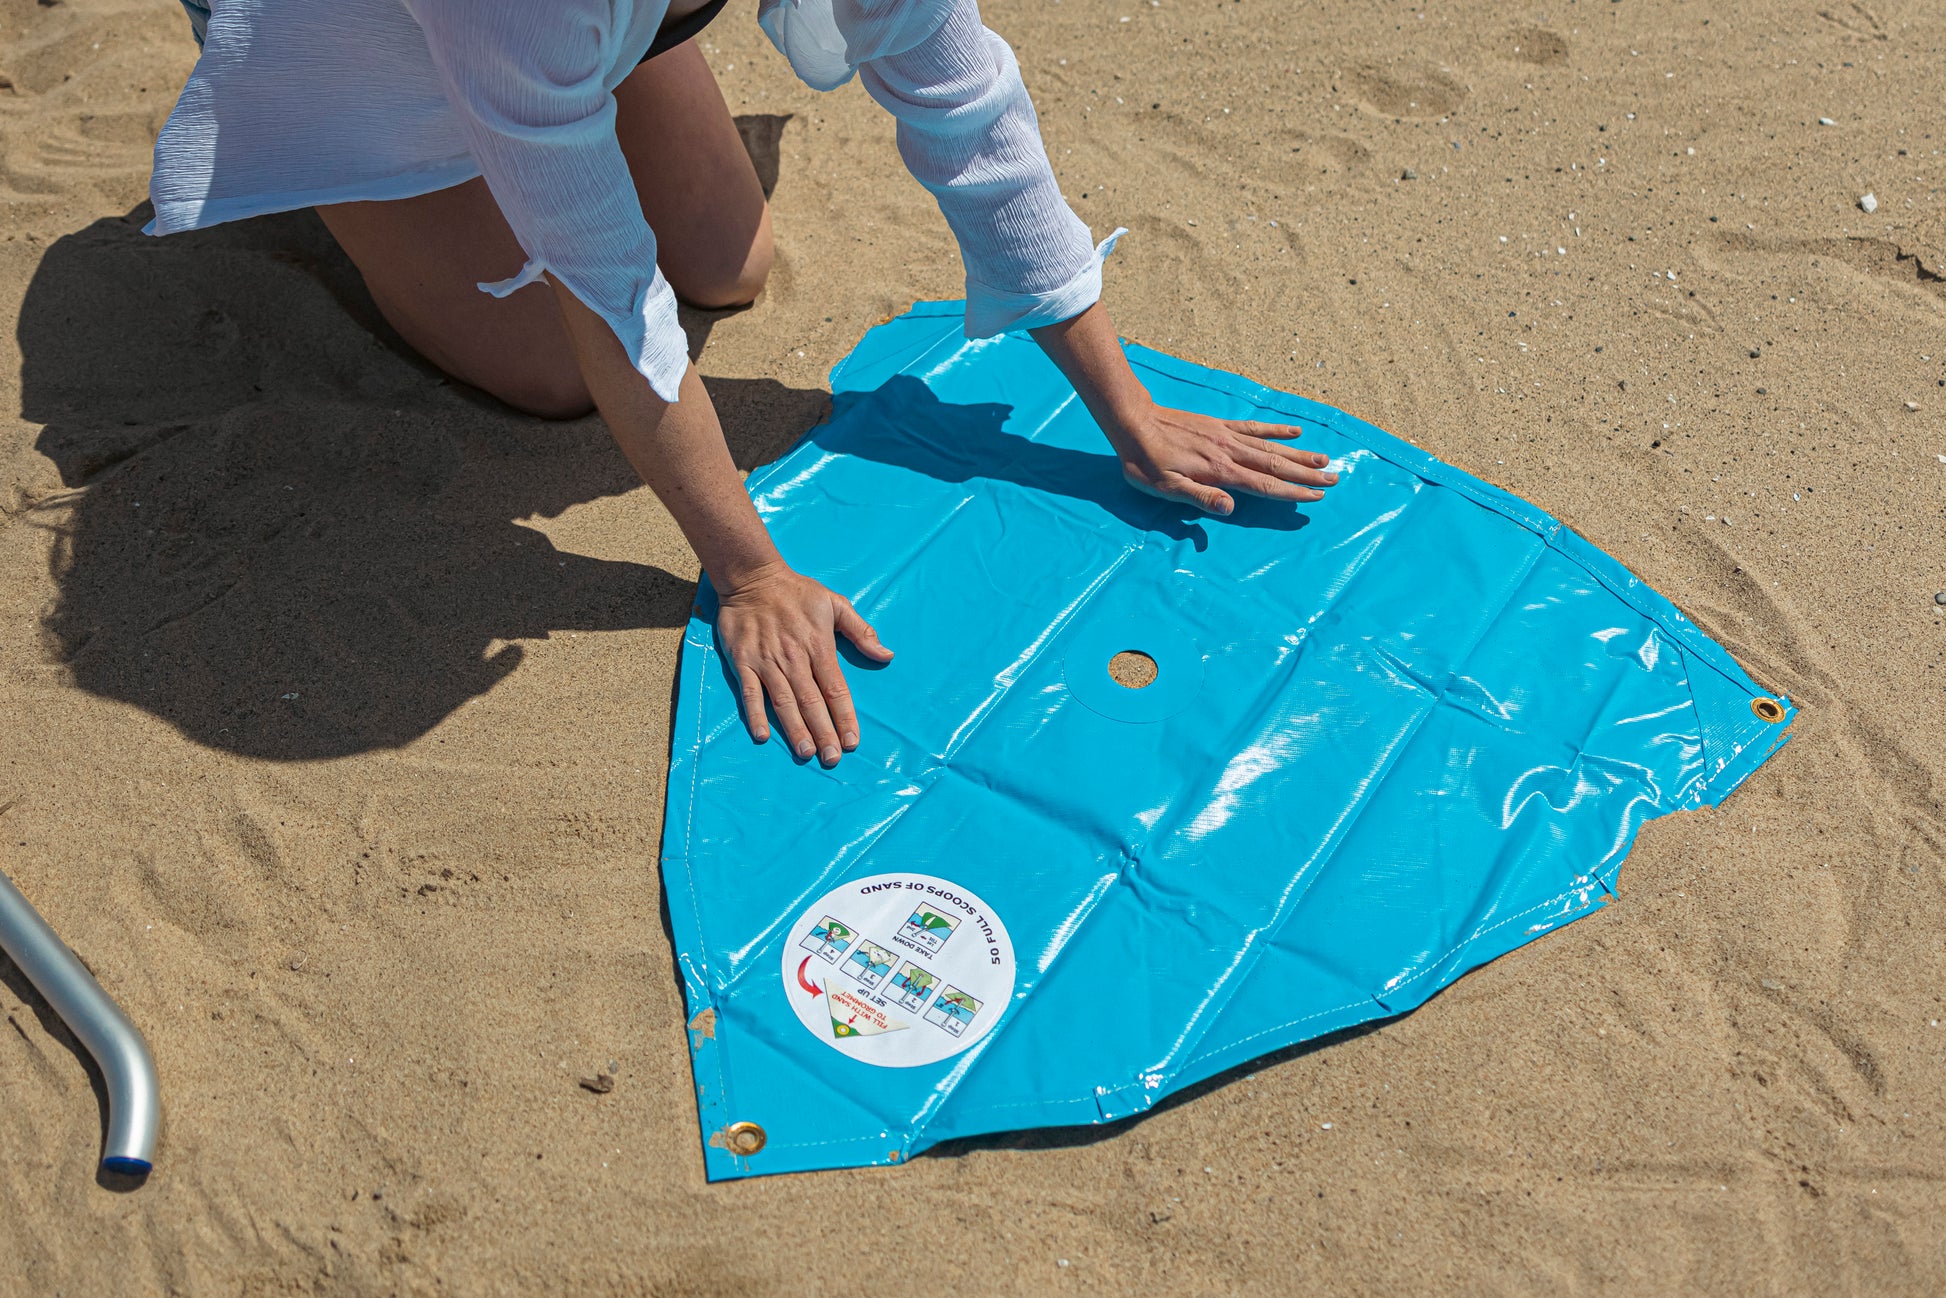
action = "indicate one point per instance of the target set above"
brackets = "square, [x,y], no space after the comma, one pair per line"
[898,970]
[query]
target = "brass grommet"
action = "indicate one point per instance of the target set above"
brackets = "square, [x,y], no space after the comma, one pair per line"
[744,1138]
[1767,710]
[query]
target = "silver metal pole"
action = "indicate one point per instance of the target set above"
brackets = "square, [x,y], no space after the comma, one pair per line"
[134,1093]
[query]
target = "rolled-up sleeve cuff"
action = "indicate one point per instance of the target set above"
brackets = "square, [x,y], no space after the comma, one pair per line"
[992,311]
[649,330]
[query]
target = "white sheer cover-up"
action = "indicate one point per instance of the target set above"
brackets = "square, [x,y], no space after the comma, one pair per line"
[297,103]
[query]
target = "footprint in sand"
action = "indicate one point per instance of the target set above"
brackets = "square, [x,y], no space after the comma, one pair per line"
[1538,46]
[1330,151]
[1407,90]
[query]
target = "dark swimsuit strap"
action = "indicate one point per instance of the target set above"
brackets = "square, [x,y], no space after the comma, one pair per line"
[674,34]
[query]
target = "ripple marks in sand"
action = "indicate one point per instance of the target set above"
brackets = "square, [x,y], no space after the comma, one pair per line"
[1855,20]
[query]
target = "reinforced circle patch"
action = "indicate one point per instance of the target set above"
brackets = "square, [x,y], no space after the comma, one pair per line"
[898,970]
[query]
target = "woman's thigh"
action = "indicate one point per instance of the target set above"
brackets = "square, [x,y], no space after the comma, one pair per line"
[422,258]
[696,183]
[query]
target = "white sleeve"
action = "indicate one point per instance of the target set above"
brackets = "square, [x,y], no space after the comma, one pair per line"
[526,81]
[967,132]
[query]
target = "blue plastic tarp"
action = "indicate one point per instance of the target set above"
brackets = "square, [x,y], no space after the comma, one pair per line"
[1391,736]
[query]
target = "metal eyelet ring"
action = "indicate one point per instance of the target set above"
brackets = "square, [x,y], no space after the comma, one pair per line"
[1767,710]
[744,1138]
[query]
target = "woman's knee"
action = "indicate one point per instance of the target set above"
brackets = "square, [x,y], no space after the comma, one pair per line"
[729,281]
[548,394]
[698,188]
[422,260]
[526,362]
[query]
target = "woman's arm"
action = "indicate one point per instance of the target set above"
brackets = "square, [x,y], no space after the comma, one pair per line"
[1176,454]
[526,84]
[777,628]
[968,133]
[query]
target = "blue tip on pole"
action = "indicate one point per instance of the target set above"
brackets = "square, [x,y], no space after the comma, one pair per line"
[126,1166]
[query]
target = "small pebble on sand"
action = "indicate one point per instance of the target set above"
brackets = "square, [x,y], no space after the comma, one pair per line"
[1912,405]
[1826,121]
[1408,174]
[1868,203]
[1940,597]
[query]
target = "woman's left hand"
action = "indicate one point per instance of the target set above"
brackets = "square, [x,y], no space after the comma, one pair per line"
[1173,453]
[1179,455]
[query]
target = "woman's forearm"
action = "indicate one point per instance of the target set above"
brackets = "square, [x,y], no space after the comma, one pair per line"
[1088,352]
[679,451]
[777,629]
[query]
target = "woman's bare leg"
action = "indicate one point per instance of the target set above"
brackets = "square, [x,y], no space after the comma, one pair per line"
[422,258]
[697,185]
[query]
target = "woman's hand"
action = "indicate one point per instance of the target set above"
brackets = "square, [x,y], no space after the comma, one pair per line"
[779,630]
[1173,453]
[1189,457]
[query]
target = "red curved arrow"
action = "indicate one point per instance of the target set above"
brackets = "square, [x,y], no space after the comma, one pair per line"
[806,983]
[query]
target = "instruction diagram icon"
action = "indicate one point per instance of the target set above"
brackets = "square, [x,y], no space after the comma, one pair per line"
[928,928]
[827,940]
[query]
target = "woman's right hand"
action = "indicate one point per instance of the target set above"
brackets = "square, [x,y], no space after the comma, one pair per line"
[779,630]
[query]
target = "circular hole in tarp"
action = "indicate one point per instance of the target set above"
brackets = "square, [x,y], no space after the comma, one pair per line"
[1767,709]
[1132,669]
[1174,664]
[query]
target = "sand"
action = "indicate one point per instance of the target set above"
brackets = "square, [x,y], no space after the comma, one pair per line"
[334,698]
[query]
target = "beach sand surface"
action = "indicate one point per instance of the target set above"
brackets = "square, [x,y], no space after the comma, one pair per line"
[334,697]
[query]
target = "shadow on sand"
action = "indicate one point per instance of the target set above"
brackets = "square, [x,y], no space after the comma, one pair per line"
[289,537]
[285,535]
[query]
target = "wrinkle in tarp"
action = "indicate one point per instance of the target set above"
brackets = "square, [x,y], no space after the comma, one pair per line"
[1391,736]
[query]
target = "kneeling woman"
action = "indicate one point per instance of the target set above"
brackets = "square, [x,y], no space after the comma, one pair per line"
[582,147]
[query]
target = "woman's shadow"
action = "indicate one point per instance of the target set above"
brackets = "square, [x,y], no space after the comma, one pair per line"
[289,537]
[282,534]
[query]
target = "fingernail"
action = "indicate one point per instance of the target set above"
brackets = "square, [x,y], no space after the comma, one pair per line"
[829,756]
[850,741]
[805,749]
[1331,477]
